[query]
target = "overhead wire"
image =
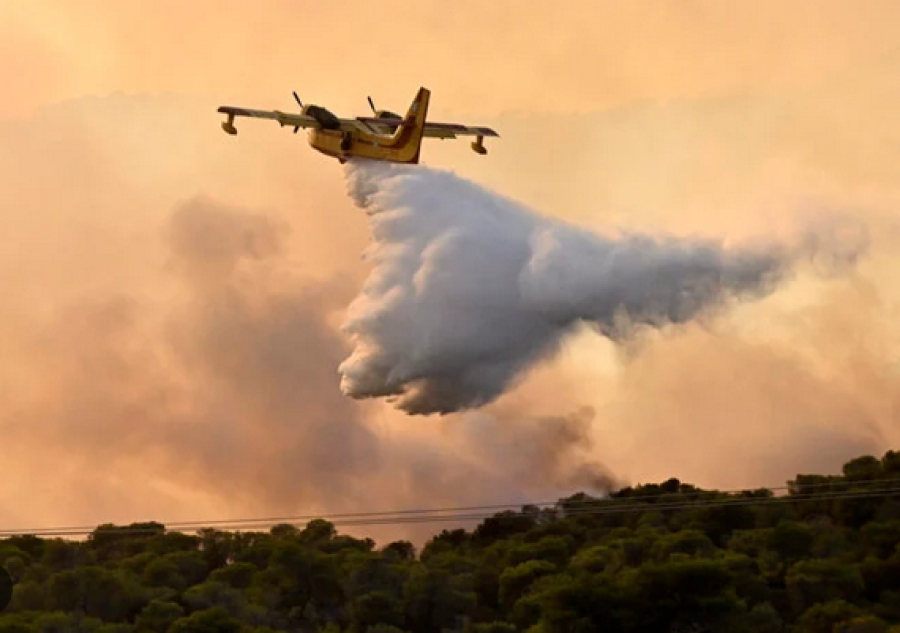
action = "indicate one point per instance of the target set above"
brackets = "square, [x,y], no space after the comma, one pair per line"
[466,514]
[289,519]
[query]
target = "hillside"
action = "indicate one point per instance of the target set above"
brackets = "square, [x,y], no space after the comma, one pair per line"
[820,557]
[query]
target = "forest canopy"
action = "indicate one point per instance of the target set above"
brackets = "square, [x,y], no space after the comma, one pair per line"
[821,556]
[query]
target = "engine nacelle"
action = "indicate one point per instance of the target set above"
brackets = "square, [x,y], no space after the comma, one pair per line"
[325,119]
[228,125]
[386,114]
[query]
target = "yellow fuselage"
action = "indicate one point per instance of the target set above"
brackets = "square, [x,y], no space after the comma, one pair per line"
[401,146]
[373,146]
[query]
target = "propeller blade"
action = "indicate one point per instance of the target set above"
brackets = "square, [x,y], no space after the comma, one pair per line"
[296,127]
[371,105]
[298,100]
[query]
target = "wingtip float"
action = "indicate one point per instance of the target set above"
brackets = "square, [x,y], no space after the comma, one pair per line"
[386,136]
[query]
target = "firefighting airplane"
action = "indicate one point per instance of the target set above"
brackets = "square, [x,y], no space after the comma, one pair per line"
[386,136]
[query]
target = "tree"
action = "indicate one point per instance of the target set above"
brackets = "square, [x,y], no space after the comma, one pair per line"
[594,560]
[699,591]
[400,550]
[191,566]
[791,540]
[749,542]
[502,525]
[284,531]
[163,572]
[862,624]
[117,627]
[115,542]
[138,563]
[552,549]
[438,596]
[864,468]
[890,464]
[28,596]
[211,594]
[215,620]
[93,590]
[376,607]
[825,617]
[515,581]
[880,576]
[750,585]
[318,532]
[168,542]
[691,543]
[237,575]
[59,622]
[492,627]
[445,542]
[216,547]
[563,603]
[17,623]
[720,522]
[158,616]
[816,581]
[32,545]
[764,618]
[59,555]
[880,538]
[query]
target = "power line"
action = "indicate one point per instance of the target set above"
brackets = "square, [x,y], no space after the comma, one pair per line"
[591,507]
[334,517]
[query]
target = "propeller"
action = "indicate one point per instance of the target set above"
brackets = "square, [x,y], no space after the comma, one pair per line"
[372,105]
[300,103]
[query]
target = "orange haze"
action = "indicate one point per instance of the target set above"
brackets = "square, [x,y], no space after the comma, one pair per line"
[168,338]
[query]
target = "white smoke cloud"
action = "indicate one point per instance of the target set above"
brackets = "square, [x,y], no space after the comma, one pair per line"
[469,288]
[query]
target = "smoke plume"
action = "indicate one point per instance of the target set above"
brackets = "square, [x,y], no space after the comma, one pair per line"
[172,357]
[469,289]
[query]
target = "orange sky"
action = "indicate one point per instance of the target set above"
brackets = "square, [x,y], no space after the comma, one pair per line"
[478,58]
[734,119]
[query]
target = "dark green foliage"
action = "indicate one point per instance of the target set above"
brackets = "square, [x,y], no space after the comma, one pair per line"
[210,594]
[515,581]
[94,591]
[862,624]
[824,618]
[880,538]
[16,623]
[501,526]
[864,468]
[384,628]
[552,549]
[158,616]
[665,557]
[215,620]
[237,575]
[374,608]
[814,581]
[492,627]
[790,541]
[400,550]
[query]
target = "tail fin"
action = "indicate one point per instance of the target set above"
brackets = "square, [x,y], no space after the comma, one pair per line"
[412,129]
[418,109]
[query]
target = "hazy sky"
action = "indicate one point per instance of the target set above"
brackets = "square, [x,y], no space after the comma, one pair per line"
[168,341]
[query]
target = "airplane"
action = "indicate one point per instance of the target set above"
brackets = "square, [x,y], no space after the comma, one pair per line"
[385,137]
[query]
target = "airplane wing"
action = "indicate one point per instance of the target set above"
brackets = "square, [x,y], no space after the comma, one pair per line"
[299,120]
[452,130]
[432,130]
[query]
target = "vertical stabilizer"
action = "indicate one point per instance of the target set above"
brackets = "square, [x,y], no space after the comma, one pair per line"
[409,134]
